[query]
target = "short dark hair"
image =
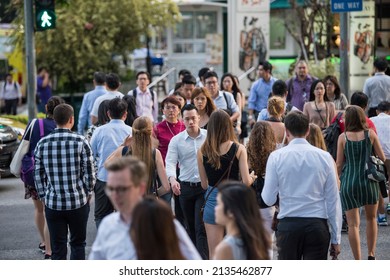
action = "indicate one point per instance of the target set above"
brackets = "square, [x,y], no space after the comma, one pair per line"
[188,79]
[184,72]
[62,114]
[102,112]
[178,85]
[297,123]
[40,69]
[99,78]
[203,71]
[170,99]
[188,107]
[210,74]
[358,98]
[53,102]
[117,108]
[380,64]
[279,88]
[266,66]
[112,81]
[384,106]
[143,73]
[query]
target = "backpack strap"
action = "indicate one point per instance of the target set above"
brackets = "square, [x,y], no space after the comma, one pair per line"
[227,103]
[135,95]
[41,128]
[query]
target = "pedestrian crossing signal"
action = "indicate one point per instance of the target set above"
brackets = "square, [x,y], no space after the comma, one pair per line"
[45,16]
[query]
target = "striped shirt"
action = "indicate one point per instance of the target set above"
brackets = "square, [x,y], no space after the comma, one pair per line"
[64,170]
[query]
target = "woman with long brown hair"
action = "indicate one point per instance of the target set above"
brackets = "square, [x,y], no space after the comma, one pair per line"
[221,157]
[237,211]
[356,189]
[202,100]
[153,231]
[140,146]
[260,145]
[319,110]
[315,137]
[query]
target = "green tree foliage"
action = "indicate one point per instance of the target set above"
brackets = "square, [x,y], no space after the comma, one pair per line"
[90,32]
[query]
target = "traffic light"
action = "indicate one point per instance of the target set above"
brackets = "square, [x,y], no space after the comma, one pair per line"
[45,15]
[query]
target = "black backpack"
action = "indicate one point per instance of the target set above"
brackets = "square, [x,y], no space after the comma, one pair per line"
[331,136]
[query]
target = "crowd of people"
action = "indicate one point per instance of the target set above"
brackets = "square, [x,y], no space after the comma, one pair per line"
[180,179]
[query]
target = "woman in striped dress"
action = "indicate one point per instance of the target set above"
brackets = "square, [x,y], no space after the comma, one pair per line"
[356,189]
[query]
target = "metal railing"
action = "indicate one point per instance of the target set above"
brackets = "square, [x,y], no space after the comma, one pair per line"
[163,76]
[242,76]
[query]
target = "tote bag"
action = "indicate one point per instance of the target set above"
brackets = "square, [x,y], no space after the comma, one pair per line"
[16,163]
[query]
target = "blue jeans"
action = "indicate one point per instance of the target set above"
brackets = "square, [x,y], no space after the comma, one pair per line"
[58,223]
[191,200]
[211,202]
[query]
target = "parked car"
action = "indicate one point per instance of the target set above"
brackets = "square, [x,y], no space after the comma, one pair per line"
[10,134]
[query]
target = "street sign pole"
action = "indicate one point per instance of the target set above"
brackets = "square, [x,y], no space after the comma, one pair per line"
[30,57]
[344,60]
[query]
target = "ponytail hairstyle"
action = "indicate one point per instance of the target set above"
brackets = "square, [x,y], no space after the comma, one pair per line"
[276,106]
[141,146]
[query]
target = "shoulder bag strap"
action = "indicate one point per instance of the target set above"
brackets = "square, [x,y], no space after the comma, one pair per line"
[224,173]
[31,127]
[41,129]
[367,138]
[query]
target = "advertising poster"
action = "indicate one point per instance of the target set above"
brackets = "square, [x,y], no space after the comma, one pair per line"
[362,40]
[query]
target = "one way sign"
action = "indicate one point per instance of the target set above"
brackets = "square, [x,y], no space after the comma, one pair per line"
[341,6]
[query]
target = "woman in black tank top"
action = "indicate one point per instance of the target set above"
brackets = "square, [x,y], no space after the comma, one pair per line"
[221,157]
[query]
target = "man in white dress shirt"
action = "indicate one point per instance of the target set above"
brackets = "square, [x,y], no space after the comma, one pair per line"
[305,179]
[182,150]
[126,184]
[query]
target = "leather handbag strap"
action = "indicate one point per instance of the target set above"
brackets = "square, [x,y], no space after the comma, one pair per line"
[223,175]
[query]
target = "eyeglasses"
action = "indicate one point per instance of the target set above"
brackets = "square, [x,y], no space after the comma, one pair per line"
[119,190]
[211,83]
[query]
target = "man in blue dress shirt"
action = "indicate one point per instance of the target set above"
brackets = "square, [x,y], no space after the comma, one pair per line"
[260,91]
[99,80]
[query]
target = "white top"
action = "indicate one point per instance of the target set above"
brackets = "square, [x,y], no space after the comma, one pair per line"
[145,105]
[10,90]
[305,179]
[113,241]
[382,125]
[237,246]
[182,149]
[220,102]
[107,96]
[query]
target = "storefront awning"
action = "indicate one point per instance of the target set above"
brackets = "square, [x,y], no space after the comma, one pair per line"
[284,4]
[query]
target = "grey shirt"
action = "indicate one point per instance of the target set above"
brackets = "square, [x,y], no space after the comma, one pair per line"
[377,88]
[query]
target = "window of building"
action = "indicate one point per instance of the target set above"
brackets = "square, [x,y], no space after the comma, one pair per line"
[190,35]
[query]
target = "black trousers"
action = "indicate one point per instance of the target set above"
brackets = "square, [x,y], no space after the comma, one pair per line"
[58,223]
[10,106]
[103,205]
[303,238]
[191,200]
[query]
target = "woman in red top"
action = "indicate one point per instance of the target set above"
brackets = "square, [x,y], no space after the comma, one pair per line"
[170,126]
[358,98]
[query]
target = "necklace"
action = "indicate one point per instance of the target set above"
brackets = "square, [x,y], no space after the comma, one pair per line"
[319,112]
[173,134]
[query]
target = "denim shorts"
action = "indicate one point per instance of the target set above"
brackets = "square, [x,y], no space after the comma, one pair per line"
[209,214]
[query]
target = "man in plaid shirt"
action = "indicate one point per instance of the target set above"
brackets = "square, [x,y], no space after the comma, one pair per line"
[64,178]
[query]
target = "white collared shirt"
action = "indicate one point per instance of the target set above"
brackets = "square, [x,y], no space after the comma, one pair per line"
[113,241]
[305,179]
[382,125]
[183,149]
